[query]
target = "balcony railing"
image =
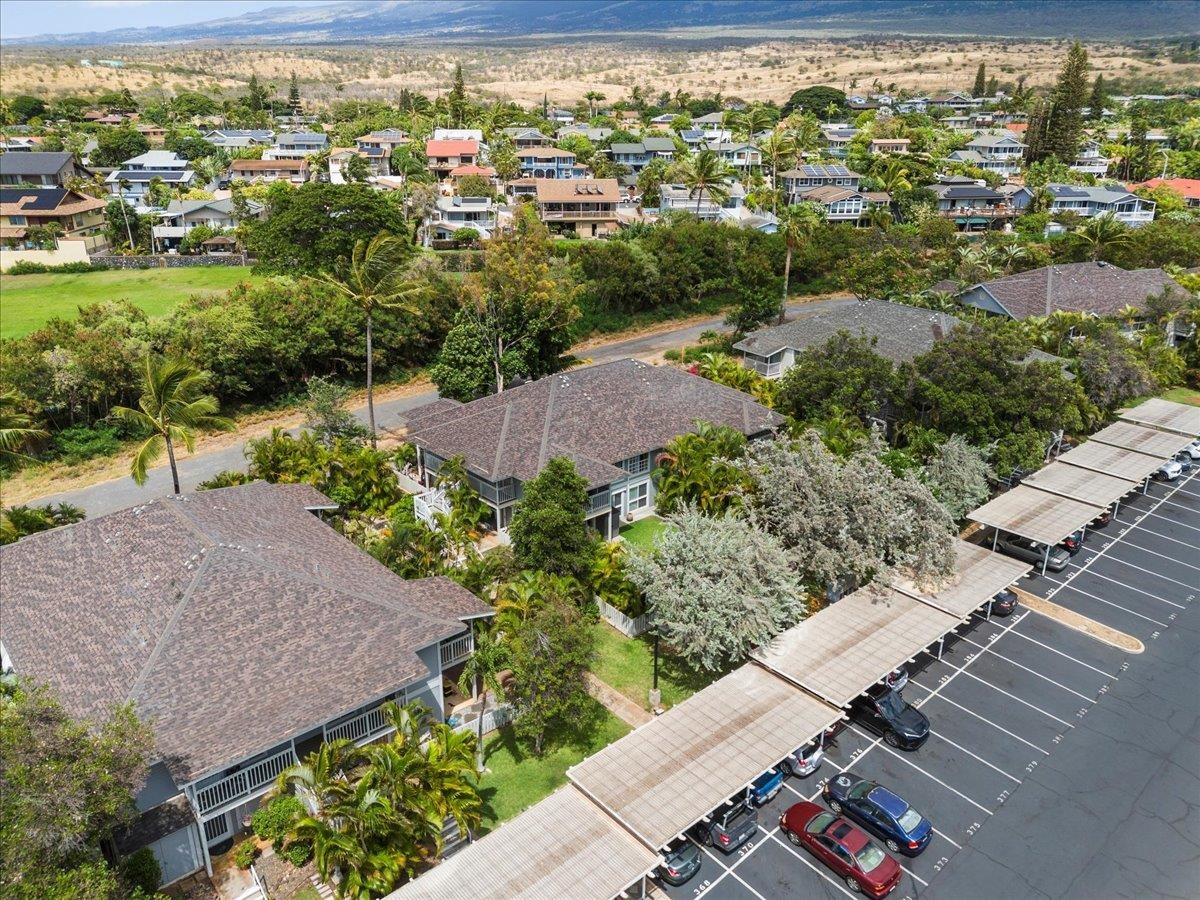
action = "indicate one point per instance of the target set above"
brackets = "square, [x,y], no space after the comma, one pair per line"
[762,367]
[428,505]
[245,783]
[495,717]
[362,727]
[579,214]
[456,649]
[982,211]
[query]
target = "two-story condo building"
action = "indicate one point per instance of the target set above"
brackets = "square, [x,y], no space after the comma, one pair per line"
[1000,152]
[1090,160]
[587,206]
[38,167]
[549,162]
[799,181]
[242,628]
[181,216]
[132,180]
[239,138]
[443,155]
[611,420]
[297,145]
[639,155]
[1089,202]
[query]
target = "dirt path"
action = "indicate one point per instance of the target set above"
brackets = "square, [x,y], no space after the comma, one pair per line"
[616,702]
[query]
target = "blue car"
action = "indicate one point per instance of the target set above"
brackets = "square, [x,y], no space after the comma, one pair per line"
[881,812]
[765,786]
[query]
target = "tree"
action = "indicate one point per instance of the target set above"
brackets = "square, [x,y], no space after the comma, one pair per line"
[548,531]
[115,145]
[1098,99]
[256,94]
[172,407]
[377,278]
[843,372]
[882,273]
[1100,234]
[17,426]
[24,107]
[796,224]
[475,186]
[294,104]
[552,652]
[701,470]
[66,787]
[1063,126]
[456,100]
[325,414]
[816,100]
[958,475]
[706,173]
[980,88]
[356,169]
[502,156]
[716,588]
[481,674]
[1110,369]
[592,98]
[779,150]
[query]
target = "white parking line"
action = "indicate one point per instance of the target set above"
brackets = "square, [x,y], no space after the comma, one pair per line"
[1129,587]
[1174,521]
[808,862]
[1013,662]
[1180,505]
[1164,556]
[726,870]
[1018,699]
[1126,562]
[1060,653]
[947,839]
[952,790]
[1166,537]
[1071,587]
[942,737]
[972,712]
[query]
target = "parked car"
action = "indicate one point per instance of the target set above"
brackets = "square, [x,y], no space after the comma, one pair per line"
[1073,543]
[765,786]
[846,850]
[886,815]
[897,679]
[803,761]
[1193,450]
[1004,603]
[1103,520]
[885,712]
[729,827]
[1033,551]
[1169,471]
[680,863]
[1185,461]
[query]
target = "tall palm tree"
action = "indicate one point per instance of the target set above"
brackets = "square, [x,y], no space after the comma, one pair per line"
[17,428]
[451,779]
[593,97]
[752,120]
[172,407]
[780,150]
[320,780]
[1099,234]
[481,674]
[375,279]
[796,223]
[706,173]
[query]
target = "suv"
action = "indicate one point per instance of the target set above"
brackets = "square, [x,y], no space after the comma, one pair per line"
[1169,471]
[729,827]
[804,761]
[764,788]
[882,711]
[1033,552]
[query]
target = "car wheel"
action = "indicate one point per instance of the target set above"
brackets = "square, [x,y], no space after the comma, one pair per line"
[893,846]
[852,883]
[835,806]
[793,837]
[891,738]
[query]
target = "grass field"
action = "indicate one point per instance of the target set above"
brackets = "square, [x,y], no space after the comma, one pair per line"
[641,534]
[1183,395]
[627,664]
[29,301]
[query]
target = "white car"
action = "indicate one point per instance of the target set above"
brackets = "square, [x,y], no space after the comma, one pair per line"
[1169,471]
[1193,450]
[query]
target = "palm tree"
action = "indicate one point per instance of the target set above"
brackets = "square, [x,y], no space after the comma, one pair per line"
[320,780]
[481,674]
[17,427]
[375,280]
[682,99]
[1100,234]
[593,97]
[172,406]
[706,173]
[451,782]
[125,184]
[796,223]
[753,120]
[895,177]
[878,216]
[780,150]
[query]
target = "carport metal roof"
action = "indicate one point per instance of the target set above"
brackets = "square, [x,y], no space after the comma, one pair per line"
[671,772]
[1109,460]
[1080,484]
[549,850]
[1034,514]
[1166,414]
[979,575]
[1151,441]
[848,646]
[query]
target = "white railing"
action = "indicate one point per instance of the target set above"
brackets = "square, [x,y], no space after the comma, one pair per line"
[362,727]
[762,367]
[623,623]
[456,649]
[496,717]
[426,506]
[244,783]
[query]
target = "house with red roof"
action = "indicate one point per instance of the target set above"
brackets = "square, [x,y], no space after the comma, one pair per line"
[1188,188]
[445,155]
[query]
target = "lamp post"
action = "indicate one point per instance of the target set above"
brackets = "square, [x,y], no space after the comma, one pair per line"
[655,693]
[1166,159]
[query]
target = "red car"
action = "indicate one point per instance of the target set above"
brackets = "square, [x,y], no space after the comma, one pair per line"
[845,849]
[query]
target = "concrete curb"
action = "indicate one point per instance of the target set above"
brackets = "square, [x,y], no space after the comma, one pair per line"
[1072,619]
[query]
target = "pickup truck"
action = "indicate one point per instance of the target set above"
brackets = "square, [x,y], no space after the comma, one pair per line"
[765,786]
[728,827]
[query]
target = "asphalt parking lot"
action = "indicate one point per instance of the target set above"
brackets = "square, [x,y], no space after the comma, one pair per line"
[1020,773]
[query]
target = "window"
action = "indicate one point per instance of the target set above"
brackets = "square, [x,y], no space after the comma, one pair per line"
[17,220]
[637,496]
[636,465]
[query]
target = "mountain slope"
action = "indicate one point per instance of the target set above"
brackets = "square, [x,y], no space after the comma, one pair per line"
[372,21]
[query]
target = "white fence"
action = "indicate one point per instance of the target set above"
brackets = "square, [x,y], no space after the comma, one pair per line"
[495,717]
[243,783]
[618,620]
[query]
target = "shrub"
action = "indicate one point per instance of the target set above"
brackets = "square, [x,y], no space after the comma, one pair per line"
[141,871]
[82,442]
[228,478]
[273,820]
[245,853]
[297,853]
[24,267]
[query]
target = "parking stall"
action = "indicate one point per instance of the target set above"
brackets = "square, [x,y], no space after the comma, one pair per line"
[1036,516]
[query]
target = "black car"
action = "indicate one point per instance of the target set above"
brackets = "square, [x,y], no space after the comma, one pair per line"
[1004,603]
[729,827]
[879,811]
[680,863]
[886,713]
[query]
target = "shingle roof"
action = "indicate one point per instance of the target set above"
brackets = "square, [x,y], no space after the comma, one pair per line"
[597,416]
[34,162]
[903,332]
[830,193]
[570,190]
[44,202]
[1086,192]
[1099,288]
[263,165]
[231,618]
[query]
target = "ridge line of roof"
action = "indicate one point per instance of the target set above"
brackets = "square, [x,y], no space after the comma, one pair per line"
[548,421]
[503,439]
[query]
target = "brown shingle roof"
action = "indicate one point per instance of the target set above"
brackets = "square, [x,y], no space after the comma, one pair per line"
[598,416]
[1099,288]
[260,165]
[232,619]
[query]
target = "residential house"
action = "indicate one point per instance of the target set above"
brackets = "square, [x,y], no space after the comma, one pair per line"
[911,105]
[78,216]
[741,156]
[460,172]
[20,143]
[268,170]
[898,332]
[611,420]
[524,137]
[243,629]
[443,155]
[290,120]
[549,162]
[297,145]
[888,146]
[561,116]
[1187,188]
[240,138]
[678,197]
[155,134]
[840,204]
[970,204]
[956,101]
[378,160]
[458,134]
[181,216]
[45,169]
[133,179]
[694,139]
[1098,288]
[799,181]
[595,135]
[709,120]
[637,156]
[956,123]
[587,206]
[452,213]
[992,151]
[837,138]
[663,120]
[1090,160]
[1089,202]
[388,139]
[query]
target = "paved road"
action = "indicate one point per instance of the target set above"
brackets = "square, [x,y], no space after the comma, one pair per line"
[120,493]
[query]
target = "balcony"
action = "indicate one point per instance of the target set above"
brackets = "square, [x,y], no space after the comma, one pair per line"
[427,506]
[360,729]
[243,784]
[986,212]
[570,215]
[456,649]
[762,367]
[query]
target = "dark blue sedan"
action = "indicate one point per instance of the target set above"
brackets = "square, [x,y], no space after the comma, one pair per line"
[879,811]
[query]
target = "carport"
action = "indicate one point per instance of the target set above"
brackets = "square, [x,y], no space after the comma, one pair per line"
[549,850]
[1085,485]
[1035,515]
[673,771]
[1166,415]
[1109,460]
[979,575]
[851,644]
[1163,444]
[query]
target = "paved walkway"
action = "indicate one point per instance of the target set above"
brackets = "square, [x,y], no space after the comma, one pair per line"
[616,702]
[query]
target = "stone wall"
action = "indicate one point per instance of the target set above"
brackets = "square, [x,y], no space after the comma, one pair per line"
[171,261]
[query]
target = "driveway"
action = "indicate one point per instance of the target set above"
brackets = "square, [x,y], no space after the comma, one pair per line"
[120,493]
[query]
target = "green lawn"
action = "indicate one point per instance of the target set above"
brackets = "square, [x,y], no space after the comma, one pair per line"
[643,532]
[28,301]
[627,664]
[517,779]
[1183,395]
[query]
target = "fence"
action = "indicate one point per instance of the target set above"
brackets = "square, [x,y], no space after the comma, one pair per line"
[495,717]
[170,261]
[618,620]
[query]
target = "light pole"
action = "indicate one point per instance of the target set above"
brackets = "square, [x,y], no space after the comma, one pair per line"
[1166,159]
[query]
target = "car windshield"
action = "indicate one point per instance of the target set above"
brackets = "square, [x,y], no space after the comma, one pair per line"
[869,857]
[819,823]
[891,704]
[910,820]
[860,790]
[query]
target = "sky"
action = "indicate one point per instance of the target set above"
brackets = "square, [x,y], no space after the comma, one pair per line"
[24,18]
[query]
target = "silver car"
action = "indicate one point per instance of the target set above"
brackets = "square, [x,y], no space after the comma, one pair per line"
[1033,552]
[803,761]
[1169,471]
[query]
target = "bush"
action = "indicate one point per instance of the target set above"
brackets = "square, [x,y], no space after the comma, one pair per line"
[24,267]
[141,871]
[297,853]
[273,821]
[245,853]
[82,442]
